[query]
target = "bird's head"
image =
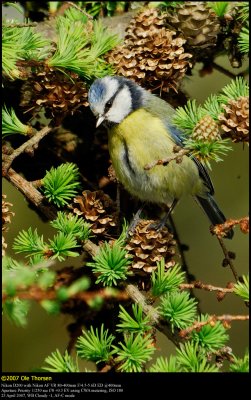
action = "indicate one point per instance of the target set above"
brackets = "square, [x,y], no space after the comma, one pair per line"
[112,98]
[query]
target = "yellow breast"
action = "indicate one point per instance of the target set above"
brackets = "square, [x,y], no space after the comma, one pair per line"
[141,139]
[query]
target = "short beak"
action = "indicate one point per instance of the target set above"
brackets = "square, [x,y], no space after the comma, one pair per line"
[100,120]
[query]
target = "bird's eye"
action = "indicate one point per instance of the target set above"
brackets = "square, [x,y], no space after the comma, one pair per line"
[108,105]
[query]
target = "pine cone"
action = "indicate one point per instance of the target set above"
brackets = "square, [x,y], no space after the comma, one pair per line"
[98,209]
[145,23]
[60,94]
[235,119]
[206,130]
[197,22]
[6,219]
[151,54]
[148,246]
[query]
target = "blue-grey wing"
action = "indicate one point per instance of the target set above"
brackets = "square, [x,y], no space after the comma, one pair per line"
[176,134]
[178,138]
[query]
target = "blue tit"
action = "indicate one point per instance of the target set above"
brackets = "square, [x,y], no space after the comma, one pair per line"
[139,133]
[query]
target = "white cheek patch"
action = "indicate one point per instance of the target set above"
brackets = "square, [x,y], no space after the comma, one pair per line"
[112,86]
[121,107]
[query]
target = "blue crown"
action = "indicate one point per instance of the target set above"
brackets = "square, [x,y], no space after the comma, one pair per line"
[96,92]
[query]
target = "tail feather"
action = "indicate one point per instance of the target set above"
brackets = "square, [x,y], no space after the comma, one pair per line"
[213,212]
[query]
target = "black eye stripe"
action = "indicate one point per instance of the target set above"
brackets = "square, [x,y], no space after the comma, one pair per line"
[109,102]
[108,105]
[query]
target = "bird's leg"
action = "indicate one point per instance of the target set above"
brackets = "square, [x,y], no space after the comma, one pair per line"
[157,226]
[135,220]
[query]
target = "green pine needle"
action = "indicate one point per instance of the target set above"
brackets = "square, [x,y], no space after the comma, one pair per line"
[29,242]
[178,308]
[242,288]
[172,4]
[236,88]
[75,15]
[209,337]
[46,279]
[207,151]
[60,184]
[80,50]
[16,275]
[52,307]
[71,52]
[240,364]
[134,352]
[188,116]
[243,40]
[35,47]
[95,8]
[191,359]
[61,246]
[72,224]
[11,124]
[243,8]
[78,286]
[219,7]
[164,281]
[21,43]
[15,6]
[9,263]
[164,365]
[95,346]
[213,107]
[58,363]
[137,324]
[36,259]
[11,51]
[111,263]
[123,236]
[102,40]
[16,311]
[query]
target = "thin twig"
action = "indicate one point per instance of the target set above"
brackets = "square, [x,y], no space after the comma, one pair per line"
[31,193]
[200,285]
[140,299]
[20,25]
[229,261]
[91,248]
[80,9]
[38,294]
[230,318]
[8,160]
[37,183]
[226,318]
[155,318]
[222,229]
[178,154]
